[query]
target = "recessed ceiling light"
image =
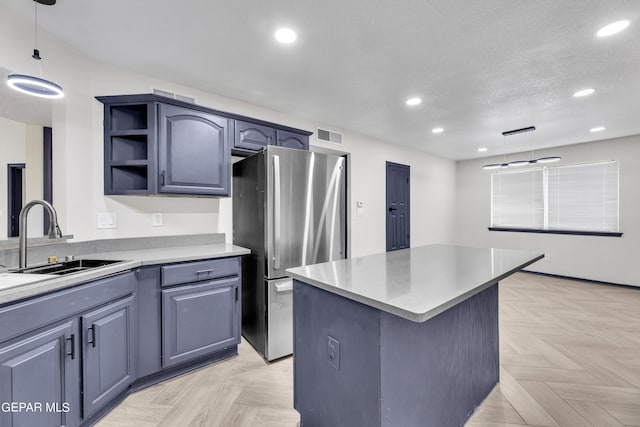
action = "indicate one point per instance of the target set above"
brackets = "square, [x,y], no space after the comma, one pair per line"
[584,92]
[286,35]
[414,101]
[597,129]
[482,149]
[437,130]
[612,28]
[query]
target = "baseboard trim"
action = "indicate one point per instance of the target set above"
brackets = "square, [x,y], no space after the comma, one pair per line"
[580,279]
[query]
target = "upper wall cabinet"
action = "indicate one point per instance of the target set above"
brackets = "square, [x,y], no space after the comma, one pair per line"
[253,136]
[193,151]
[155,145]
[292,140]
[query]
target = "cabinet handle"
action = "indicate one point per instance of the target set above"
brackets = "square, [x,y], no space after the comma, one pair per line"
[91,338]
[209,270]
[72,352]
[162,175]
[236,293]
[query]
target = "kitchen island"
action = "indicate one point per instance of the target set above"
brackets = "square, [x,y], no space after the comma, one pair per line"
[406,338]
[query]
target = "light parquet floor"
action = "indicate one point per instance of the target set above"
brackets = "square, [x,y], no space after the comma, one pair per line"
[570,356]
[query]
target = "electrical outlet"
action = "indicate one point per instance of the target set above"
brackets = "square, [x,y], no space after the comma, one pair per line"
[156,220]
[333,352]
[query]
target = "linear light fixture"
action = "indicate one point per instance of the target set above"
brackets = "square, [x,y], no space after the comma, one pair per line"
[519,163]
[32,85]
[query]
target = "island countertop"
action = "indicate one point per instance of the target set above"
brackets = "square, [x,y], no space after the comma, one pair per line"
[418,283]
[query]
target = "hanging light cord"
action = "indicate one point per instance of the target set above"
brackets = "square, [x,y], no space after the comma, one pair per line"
[36,51]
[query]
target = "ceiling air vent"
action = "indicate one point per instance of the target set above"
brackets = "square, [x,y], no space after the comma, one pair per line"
[177,96]
[331,137]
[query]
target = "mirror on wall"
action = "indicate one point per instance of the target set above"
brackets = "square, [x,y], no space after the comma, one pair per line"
[25,125]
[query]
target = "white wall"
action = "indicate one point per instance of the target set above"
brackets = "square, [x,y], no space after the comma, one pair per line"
[607,259]
[78,162]
[21,143]
[12,150]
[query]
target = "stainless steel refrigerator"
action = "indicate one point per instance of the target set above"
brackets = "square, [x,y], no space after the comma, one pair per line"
[289,209]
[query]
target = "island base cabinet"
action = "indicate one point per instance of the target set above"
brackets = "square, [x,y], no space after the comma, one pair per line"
[355,365]
[109,351]
[199,319]
[39,379]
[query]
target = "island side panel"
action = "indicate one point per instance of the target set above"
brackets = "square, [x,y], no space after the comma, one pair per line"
[343,391]
[436,373]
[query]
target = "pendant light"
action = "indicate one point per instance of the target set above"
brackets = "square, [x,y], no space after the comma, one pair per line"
[32,85]
[519,163]
[504,163]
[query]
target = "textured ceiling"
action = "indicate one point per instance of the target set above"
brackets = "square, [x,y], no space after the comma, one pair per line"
[481,67]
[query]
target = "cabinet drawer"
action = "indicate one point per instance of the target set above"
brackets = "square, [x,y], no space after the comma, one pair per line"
[201,270]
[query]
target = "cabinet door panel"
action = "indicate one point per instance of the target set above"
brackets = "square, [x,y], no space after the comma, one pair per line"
[194,151]
[253,137]
[110,352]
[41,370]
[292,140]
[199,319]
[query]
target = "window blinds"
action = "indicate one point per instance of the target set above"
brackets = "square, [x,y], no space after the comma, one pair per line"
[517,199]
[580,197]
[584,197]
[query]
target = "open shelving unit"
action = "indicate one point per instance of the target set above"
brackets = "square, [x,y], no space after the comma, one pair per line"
[129,153]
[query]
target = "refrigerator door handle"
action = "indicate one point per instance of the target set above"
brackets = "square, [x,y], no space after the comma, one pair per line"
[276,212]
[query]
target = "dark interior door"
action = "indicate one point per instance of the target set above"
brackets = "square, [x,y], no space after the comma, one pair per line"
[14,202]
[397,207]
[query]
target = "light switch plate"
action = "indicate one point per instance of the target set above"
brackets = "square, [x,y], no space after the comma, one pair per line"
[106,220]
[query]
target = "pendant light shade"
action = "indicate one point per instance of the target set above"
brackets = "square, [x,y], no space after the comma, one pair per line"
[35,86]
[520,163]
[549,159]
[32,85]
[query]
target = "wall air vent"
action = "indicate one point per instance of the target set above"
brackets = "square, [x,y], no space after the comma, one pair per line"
[176,96]
[331,137]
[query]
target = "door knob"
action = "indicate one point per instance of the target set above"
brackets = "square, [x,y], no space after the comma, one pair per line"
[392,209]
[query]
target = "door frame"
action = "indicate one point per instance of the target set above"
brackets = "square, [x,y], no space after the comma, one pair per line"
[15,185]
[47,172]
[389,165]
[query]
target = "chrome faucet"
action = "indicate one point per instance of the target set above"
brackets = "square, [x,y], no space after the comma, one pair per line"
[54,229]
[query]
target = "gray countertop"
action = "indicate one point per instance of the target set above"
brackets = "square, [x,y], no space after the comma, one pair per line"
[15,286]
[418,283]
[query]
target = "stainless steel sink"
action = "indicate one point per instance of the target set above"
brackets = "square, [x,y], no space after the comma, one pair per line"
[66,267]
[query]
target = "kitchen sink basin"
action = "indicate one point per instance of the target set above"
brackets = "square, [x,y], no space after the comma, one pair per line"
[66,267]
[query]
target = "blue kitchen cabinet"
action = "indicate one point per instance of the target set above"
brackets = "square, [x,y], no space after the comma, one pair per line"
[199,320]
[41,370]
[47,357]
[188,313]
[109,349]
[155,145]
[129,146]
[250,137]
[290,139]
[194,154]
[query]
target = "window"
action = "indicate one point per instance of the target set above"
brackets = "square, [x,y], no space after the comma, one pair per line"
[581,198]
